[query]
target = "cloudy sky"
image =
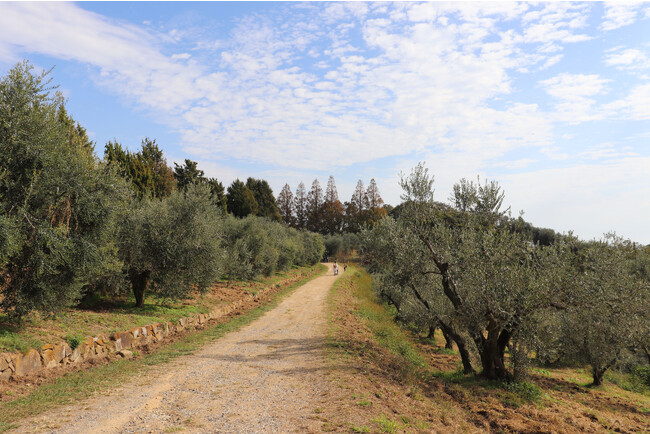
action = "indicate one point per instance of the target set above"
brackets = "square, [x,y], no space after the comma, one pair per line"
[552,100]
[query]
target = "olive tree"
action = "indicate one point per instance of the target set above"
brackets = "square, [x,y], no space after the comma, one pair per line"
[249,248]
[59,204]
[172,246]
[609,309]
[256,246]
[483,283]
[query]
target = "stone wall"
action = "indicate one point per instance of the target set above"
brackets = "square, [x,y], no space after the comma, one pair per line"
[61,354]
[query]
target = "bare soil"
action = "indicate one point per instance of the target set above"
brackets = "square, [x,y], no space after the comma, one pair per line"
[266,377]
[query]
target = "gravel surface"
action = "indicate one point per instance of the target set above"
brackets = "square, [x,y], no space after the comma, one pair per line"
[266,377]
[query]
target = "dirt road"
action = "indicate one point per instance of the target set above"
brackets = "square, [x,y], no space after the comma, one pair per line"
[266,377]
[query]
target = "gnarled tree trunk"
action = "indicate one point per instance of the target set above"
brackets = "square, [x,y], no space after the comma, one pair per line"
[462,347]
[449,342]
[139,283]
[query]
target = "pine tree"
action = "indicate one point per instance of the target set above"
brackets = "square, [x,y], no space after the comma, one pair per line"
[356,209]
[372,194]
[188,174]
[241,200]
[264,198]
[217,194]
[375,211]
[331,194]
[300,206]
[285,205]
[333,210]
[315,207]
[146,170]
[359,197]
[162,176]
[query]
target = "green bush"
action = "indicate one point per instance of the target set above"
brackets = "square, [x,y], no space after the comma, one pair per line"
[643,374]
[526,391]
[58,204]
[257,246]
[73,341]
[172,246]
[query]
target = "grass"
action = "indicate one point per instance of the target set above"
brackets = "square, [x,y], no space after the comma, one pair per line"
[387,425]
[637,381]
[79,385]
[98,315]
[381,321]
[514,394]
[382,341]
[12,340]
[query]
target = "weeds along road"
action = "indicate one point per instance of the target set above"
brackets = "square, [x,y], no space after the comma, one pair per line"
[266,377]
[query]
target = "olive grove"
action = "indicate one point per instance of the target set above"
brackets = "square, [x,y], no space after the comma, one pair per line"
[465,270]
[73,225]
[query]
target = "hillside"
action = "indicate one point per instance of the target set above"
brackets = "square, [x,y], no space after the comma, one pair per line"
[393,380]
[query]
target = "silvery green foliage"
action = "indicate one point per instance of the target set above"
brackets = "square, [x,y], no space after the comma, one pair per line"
[479,199]
[58,204]
[341,243]
[608,310]
[474,276]
[418,186]
[9,237]
[257,246]
[171,246]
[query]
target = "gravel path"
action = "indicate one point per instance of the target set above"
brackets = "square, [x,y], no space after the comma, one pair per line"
[266,377]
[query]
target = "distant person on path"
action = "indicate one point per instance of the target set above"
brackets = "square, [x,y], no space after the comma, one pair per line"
[336,268]
[345,267]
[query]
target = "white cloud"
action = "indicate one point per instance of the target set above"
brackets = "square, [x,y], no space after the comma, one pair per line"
[324,87]
[515,164]
[619,14]
[607,151]
[556,23]
[627,59]
[181,56]
[635,106]
[574,86]
[127,58]
[574,94]
[427,85]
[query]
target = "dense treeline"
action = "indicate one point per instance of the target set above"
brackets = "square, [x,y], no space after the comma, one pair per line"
[324,213]
[494,284]
[72,225]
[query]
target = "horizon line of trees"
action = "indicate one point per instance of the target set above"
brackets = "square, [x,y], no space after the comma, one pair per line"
[324,213]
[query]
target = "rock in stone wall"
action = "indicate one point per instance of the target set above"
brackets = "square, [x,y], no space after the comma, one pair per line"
[29,363]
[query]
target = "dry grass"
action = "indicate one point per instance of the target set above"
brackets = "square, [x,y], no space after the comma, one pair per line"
[386,379]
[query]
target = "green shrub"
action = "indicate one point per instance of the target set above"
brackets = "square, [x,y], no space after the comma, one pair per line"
[73,341]
[526,391]
[173,245]
[643,374]
[59,204]
[256,246]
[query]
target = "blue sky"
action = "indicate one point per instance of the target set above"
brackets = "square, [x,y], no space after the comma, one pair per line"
[550,99]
